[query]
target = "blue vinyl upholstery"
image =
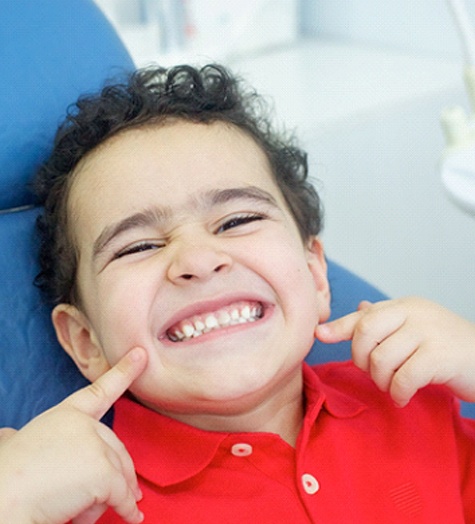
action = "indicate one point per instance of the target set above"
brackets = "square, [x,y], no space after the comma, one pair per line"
[51,52]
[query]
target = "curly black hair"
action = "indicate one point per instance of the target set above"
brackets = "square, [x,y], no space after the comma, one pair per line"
[148,97]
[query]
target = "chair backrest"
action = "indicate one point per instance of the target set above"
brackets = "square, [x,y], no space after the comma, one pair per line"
[52,51]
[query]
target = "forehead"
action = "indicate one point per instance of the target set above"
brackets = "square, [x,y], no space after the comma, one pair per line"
[167,163]
[166,166]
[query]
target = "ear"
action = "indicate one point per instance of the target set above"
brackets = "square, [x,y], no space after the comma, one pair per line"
[318,267]
[78,339]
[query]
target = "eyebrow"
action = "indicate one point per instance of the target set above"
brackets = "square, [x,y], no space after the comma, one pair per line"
[157,216]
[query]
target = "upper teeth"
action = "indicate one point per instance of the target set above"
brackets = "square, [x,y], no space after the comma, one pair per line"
[194,327]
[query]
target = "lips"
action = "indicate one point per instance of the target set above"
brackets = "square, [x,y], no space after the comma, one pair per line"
[241,312]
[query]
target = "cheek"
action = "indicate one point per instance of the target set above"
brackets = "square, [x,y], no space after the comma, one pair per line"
[120,309]
[300,291]
[288,273]
[292,271]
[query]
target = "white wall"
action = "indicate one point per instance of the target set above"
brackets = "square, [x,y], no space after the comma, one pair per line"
[424,26]
[178,31]
[369,118]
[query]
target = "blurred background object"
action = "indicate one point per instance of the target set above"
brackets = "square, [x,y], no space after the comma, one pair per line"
[458,162]
[184,30]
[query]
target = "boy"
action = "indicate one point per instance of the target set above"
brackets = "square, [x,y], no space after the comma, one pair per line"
[180,249]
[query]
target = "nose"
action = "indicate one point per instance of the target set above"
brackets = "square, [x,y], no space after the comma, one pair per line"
[197,261]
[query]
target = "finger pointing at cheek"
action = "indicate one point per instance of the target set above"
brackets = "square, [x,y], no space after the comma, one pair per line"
[95,400]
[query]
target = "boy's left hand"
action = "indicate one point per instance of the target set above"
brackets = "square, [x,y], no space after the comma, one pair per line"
[408,343]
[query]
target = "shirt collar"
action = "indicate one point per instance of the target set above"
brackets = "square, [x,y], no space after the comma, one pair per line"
[335,402]
[166,451]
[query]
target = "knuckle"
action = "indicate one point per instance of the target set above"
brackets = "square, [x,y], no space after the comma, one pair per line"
[364,328]
[402,383]
[97,390]
[378,359]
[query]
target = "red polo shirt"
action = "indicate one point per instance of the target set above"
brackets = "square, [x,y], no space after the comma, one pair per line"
[358,459]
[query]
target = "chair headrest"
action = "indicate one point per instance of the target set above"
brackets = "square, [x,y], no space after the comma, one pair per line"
[52,51]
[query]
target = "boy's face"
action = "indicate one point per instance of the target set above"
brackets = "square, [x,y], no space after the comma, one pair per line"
[187,248]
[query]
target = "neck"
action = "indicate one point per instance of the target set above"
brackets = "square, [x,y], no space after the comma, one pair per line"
[280,413]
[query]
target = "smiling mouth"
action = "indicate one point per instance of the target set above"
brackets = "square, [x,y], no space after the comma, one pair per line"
[243,312]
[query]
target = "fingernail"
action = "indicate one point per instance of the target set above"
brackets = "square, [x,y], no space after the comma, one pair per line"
[401,404]
[136,354]
[6,432]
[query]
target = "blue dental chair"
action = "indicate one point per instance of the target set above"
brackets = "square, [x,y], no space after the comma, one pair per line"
[52,51]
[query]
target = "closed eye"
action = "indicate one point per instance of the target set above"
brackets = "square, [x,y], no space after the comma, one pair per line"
[239,220]
[137,248]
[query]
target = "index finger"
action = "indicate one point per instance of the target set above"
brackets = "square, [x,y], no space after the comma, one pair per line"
[97,398]
[342,328]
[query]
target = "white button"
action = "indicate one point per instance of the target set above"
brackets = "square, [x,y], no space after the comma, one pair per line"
[241,450]
[310,484]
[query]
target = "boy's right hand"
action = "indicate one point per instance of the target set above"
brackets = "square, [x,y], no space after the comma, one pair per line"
[65,464]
